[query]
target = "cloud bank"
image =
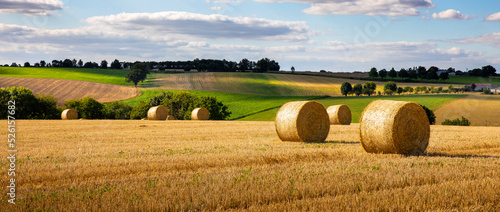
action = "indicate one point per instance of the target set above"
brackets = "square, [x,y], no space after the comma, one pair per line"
[30,7]
[362,7]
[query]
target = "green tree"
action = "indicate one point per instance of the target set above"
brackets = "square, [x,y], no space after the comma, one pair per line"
[373,73]
[392,73]
[357,89]
[412,74]
[444,76]
[430,115]
[218,111]
[382,73]
[488,71]
[346,88]
[292,69]
[369,88]
[88,108]
[432,73]
[104,64]
[400,90]
[422,72]
[390,86]
[118,110]
[138,73]
[28,105]
[403,73]
[27,64]
[116,64]
[244,65]
[80,63]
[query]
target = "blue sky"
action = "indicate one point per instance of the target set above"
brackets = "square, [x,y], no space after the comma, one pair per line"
[335,35]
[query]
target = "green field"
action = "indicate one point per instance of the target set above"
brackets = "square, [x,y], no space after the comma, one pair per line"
[249,107]
[110,76]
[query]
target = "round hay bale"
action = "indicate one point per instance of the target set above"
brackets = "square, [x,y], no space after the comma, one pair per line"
[394,127]
[157,113]
[69,114]
[305,121]
[200,114]
[169,117]
[339,114]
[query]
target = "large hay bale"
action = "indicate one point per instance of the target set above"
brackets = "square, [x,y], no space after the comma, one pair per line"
[200,114]
[339,114]
[305,121]
[169,117]
[394,127]
[69,114]
[157,113]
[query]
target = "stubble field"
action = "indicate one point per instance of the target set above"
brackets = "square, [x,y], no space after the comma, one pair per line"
[101,165]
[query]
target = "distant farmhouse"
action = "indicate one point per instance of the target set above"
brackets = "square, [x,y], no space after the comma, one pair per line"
[480,87]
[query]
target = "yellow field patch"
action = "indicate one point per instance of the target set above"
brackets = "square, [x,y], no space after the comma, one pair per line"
[479,109]
[101,165]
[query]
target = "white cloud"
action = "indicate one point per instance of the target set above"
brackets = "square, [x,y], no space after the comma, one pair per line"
[493,17]
[204,26]
[364,7]
[451,14]
[490,38]
[30,7]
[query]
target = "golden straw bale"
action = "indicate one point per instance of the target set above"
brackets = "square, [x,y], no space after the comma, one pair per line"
[169,117]
[305,121]
[157,113]
[394,127]
[339,114]
[69,114]
[200,114]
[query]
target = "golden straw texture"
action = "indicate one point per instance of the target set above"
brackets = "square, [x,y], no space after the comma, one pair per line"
[200,114]
[69,114]
[170,117]
[394,127]
[339,114]
[305,121]
[157,113]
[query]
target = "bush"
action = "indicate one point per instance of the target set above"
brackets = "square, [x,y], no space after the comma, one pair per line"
[118,110]
[32,106]
[88,108]
[457,122]
[430,115]
[181,104]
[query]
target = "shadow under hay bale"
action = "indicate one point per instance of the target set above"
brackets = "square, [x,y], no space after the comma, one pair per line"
[69,114]
[394,127]
[200,114]
[158,113]
[339,115]
[305,121]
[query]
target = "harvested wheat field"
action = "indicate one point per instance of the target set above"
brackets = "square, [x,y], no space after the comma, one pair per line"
[65,90]
[480,109]
[86,165]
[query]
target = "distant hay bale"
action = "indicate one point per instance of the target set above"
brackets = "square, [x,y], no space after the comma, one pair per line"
[305,121]
[170,118]
[69,114]
[394,127]
[339,114]
[200,114]
[157,113]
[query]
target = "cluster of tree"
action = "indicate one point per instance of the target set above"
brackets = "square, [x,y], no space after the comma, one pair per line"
[29,105]
[208,65]
[457,122]
[429,74]
[181,104]
[391,88]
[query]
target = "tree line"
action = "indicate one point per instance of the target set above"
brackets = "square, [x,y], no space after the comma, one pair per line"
[202,65]
[369,88]
[429,74]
